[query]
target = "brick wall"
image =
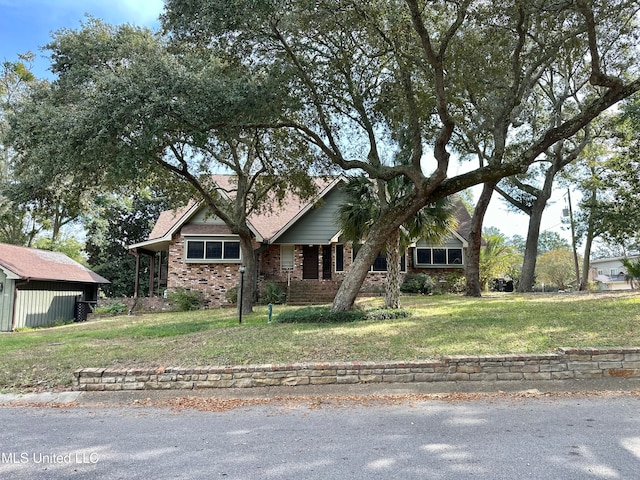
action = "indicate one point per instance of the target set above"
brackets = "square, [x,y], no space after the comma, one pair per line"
[213,279]
[563,365]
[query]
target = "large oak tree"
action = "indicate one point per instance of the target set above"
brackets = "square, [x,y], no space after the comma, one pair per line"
[434,76]
[126,109]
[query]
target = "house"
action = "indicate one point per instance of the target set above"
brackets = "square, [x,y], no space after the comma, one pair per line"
[39,287]
[610,273]
[299,247]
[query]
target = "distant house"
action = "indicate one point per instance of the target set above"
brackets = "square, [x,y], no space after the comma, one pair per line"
[299,247]
[39,287]
[610,273]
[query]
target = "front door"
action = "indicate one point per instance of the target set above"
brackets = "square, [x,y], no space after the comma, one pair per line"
[310,262]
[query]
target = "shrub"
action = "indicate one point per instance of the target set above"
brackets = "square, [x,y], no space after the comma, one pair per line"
[319,315]
[417,283]
[231,295]
[185,300]
[325,315]
[272,293]
[115,308]
[387,314]
[455,283]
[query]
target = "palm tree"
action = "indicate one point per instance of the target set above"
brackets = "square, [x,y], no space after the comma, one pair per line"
[633,272]
[496,257]
[364,202]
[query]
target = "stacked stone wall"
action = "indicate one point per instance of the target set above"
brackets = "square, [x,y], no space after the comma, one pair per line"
[566,364]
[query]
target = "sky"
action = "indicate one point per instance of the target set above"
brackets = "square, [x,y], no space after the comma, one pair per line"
[27,25]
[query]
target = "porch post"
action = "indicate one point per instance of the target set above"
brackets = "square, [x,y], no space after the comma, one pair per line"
[136,287]
[152,273]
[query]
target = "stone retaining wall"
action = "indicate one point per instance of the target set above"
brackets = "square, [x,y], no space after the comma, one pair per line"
[565,364]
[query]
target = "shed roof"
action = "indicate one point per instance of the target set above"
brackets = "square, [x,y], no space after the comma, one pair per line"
[33,264]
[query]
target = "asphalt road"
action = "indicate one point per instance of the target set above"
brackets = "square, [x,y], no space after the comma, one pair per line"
[508,437]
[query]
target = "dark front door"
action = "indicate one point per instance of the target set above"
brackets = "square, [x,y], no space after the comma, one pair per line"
[326,262]
[310,262]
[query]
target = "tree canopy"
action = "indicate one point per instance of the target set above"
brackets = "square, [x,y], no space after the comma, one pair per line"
[382,76]
[350,82]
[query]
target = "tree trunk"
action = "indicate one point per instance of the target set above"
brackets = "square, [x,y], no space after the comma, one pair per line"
[472,269]
[247,282]
[392,290]
[527,275]
[587,245]
[350,286]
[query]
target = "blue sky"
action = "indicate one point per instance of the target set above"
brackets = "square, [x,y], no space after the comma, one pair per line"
[27,25]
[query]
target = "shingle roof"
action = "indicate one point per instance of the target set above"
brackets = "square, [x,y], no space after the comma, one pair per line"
[267,223]
[34,264]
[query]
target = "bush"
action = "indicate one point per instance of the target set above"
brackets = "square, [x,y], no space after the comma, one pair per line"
[455,283]
[325,315]
[319,315]
[231,295]
[417,283]
[272,293]
[114,308]
[185,300]
[387,314]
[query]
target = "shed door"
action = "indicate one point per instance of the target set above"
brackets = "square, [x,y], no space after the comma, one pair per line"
[310,262]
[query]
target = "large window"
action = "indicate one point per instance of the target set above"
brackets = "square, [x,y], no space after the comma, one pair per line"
[427,256]
[218,250]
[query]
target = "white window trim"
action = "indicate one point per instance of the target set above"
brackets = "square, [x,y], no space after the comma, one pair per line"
[437,265]
[212,238]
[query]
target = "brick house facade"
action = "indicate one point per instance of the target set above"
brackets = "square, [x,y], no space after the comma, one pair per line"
[298,248]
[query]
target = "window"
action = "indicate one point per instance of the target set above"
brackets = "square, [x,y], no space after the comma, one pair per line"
[613,272]
[339,258]
[213,250]
[380,263]
[286,258]
[454,256]
[427,256]
[440,256]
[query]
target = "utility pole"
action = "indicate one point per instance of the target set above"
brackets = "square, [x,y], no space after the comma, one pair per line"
[573,239]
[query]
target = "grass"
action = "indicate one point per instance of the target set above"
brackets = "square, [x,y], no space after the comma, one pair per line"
[448,325]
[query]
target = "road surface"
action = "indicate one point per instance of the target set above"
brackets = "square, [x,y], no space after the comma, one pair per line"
[494,437]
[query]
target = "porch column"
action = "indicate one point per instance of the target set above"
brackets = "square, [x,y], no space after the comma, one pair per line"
[136,287]
[152,274]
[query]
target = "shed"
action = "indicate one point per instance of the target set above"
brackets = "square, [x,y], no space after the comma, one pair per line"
[39,287]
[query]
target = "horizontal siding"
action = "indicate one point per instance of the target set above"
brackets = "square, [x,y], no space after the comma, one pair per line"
[42,303]
[318,225]
[451,242]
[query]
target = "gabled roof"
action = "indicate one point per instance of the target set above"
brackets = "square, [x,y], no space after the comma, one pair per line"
[464,219]
[268,225]
[21,263]
[265,224]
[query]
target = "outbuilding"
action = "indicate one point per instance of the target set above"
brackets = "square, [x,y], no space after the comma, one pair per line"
[39,287]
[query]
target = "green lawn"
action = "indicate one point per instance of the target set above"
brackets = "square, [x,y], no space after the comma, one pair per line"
[448,325]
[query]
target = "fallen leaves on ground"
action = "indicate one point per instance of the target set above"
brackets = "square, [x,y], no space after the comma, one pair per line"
[313,402]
